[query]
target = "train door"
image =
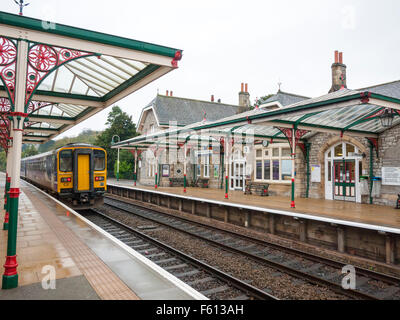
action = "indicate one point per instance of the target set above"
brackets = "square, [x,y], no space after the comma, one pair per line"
[83,172]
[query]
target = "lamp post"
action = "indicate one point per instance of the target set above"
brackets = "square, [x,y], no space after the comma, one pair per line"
[113,142]
[387,118]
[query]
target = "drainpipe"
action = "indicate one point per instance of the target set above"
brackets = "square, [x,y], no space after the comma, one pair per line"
[308,146]
[371,171]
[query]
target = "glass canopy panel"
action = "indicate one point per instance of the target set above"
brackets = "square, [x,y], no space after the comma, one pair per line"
[93,76]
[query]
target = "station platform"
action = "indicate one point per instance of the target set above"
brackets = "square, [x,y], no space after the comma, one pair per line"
[89,263]
[368,214]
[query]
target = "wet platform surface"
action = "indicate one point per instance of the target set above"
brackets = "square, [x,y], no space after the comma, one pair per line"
[343,210]
[82,257]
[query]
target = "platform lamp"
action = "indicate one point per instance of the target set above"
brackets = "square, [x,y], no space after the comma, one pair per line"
[387,118]
[113,142]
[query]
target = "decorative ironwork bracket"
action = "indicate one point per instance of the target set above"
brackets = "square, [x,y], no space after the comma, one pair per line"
[375,143]
[8,65]
[288,132]
[44,59]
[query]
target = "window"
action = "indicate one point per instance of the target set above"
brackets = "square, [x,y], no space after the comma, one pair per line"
[206,166]
[99,160]
[259,170]
[274,163]
[65,160]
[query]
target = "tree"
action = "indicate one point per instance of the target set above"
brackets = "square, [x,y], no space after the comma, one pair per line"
[121,124]
[28,151]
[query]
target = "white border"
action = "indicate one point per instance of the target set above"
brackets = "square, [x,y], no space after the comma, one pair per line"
[148,263]
[280,212]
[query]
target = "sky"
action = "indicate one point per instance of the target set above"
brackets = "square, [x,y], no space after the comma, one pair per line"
[227,42]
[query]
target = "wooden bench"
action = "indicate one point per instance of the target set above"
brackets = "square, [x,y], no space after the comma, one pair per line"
[258,189]
[201,183]
[176,182]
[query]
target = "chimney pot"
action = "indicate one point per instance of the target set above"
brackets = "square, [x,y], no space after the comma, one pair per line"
[341,57]
[167,93]
[170,93]
[212,98]
[246,87]
[336,56]
[241,88]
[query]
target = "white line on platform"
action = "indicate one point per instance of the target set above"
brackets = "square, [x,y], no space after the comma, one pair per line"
[148,263]
[280,212]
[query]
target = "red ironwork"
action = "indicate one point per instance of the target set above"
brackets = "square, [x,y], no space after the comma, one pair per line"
[36,105]
[375,143]
[365,96]
[8,62]
[302,147]
[177,57]
[5,105]
[10,266]
[288,132]
[42,60]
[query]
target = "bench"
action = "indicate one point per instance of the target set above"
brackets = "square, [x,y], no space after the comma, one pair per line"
[201,183]
[258,189]
[176,182]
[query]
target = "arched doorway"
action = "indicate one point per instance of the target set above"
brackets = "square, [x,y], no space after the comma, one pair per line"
[343,166]
[237,171]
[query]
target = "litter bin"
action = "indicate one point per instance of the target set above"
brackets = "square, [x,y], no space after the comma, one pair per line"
[364,191]
[376,187]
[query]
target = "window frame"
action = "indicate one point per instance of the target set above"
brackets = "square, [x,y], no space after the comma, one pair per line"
[59,160]
[271,158]
[104,157]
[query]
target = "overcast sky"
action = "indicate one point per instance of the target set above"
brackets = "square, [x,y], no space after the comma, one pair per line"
[229,42]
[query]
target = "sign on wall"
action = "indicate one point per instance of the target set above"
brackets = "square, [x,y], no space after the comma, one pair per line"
[391,176]
[315,173]
[165,170]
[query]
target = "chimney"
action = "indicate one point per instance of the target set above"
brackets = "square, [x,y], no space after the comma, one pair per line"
[338,73]
[244,99]
[212,98]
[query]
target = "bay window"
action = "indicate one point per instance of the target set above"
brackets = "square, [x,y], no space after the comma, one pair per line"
[273,164]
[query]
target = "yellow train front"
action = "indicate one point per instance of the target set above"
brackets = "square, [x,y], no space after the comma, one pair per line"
[76,173]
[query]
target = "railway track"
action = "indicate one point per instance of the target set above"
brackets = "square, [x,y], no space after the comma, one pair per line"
[311,268]
[211,282]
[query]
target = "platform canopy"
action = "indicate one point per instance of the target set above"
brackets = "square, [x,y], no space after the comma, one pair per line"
[345,111]
[72,73]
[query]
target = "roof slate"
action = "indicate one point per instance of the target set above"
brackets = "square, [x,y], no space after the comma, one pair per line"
[187,111]
[390,89]
[285,98]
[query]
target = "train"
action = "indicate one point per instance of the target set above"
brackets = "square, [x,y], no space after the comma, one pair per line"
[75,173]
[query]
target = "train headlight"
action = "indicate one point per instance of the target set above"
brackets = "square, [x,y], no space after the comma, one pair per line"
[66,180]
[99,178]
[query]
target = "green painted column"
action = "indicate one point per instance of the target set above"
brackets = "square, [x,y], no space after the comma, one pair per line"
[226,186]
[10,276]
[371,171]
[6,203]
[308,146]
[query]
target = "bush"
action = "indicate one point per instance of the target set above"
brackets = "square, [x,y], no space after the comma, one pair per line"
[125,170]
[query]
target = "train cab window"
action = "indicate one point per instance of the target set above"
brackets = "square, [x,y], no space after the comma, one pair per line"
[99,160]
[65,160]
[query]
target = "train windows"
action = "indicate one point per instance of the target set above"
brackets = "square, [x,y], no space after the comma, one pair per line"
[99,160]
[65,160]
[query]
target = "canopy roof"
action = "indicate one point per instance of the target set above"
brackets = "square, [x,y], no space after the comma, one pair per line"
[344,111]
[74,73]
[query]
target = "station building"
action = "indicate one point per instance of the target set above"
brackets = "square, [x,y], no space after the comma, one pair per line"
[347,143]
